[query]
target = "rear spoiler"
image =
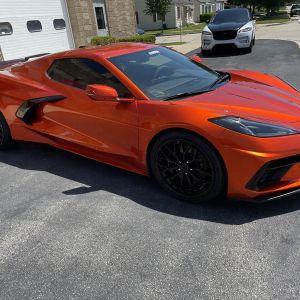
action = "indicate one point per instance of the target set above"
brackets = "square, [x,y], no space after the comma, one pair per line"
[8,63]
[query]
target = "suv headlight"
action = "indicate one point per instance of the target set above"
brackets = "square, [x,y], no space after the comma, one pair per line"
[245,29]
[205,32]
[252,128]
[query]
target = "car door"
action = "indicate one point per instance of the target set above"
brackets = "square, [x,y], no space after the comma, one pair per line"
[107,126]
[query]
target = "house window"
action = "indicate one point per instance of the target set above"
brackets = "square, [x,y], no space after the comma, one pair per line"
[34,26]
[178,12]
[160,18]
[81,72]
[59,24]
[5,28]
[137,17]
[100,17]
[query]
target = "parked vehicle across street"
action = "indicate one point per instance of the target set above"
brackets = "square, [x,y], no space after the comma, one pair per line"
[230,27]
[295,10]
[200,133]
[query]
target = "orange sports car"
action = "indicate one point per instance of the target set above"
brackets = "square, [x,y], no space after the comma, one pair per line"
[200,133]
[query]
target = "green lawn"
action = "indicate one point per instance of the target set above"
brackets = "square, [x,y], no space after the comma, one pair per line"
[190,28]
[280,17]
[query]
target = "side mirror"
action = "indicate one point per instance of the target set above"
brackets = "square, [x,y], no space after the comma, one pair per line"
[254,18]
[207,21]
[196,59]
[100,92]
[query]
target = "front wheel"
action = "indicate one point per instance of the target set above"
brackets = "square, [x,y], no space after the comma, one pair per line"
[249,49]
[188,167]
[5,136]
[205,52]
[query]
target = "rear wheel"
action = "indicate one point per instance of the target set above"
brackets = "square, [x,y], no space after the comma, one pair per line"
[188,167]
[5,136]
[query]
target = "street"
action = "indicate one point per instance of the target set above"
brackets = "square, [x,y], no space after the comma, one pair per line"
[72,228]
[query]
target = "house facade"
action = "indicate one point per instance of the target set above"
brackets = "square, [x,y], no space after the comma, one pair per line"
[29,27]
[181,12]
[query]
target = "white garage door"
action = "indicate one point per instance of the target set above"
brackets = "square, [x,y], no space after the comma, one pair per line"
[29,27]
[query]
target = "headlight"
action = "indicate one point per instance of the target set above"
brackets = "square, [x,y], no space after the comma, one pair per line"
[252,128]
[294,86]
[245,29]
[206,33]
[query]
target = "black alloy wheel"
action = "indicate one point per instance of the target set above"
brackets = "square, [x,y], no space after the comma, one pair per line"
[188,167]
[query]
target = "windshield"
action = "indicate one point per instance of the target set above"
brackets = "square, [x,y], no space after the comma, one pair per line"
[162,73]
[296,6]
[232,15]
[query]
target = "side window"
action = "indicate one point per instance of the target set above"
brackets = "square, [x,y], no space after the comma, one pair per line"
[81,72]
[5,28]
[34,26]
[59,24]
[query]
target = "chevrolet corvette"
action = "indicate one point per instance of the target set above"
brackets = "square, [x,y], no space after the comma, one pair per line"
[201,134]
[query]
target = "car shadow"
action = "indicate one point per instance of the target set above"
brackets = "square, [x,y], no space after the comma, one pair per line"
[95,176]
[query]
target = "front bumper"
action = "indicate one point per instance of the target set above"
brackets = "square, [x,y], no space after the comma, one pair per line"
[242,40]
[261,169]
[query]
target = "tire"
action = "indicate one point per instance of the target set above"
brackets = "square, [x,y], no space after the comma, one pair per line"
[205,53]
[249,49]
[253,41]
[188,167]
[5,135]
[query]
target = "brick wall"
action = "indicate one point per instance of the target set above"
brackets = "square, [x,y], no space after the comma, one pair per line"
[82,21]
[121,17]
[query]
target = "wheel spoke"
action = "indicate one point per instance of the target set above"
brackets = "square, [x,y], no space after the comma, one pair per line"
[185,167]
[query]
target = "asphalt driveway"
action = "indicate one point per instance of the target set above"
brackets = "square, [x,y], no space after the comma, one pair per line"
[71,228]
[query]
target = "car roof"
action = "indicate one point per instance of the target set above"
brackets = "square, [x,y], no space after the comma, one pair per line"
[112,50]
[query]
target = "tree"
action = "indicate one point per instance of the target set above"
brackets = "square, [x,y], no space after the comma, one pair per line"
[159,7]
[269,5]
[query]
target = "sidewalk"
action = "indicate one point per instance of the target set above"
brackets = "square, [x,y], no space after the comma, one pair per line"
[285,31]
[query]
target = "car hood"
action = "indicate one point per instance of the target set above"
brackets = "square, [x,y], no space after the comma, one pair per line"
[267,98]
[226,26]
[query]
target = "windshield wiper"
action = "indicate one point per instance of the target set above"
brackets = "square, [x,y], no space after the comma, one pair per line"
[223,77]
[187,94]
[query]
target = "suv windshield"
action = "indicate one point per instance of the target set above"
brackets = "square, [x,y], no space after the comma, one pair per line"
[231,15]
[297,6]
[162,73]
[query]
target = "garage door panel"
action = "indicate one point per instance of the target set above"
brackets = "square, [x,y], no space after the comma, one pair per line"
[24,43]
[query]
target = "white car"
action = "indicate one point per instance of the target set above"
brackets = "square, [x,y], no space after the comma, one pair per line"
[230,27]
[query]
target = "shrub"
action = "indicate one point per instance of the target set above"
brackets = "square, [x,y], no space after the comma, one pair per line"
[103,40]
[205,17]
[149,39]
[107,40]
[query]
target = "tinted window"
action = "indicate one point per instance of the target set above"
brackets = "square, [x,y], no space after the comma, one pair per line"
[59,24]
[296,6]
[162,73]
[5,28]
[80,72]
[34,26]
[232,15]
